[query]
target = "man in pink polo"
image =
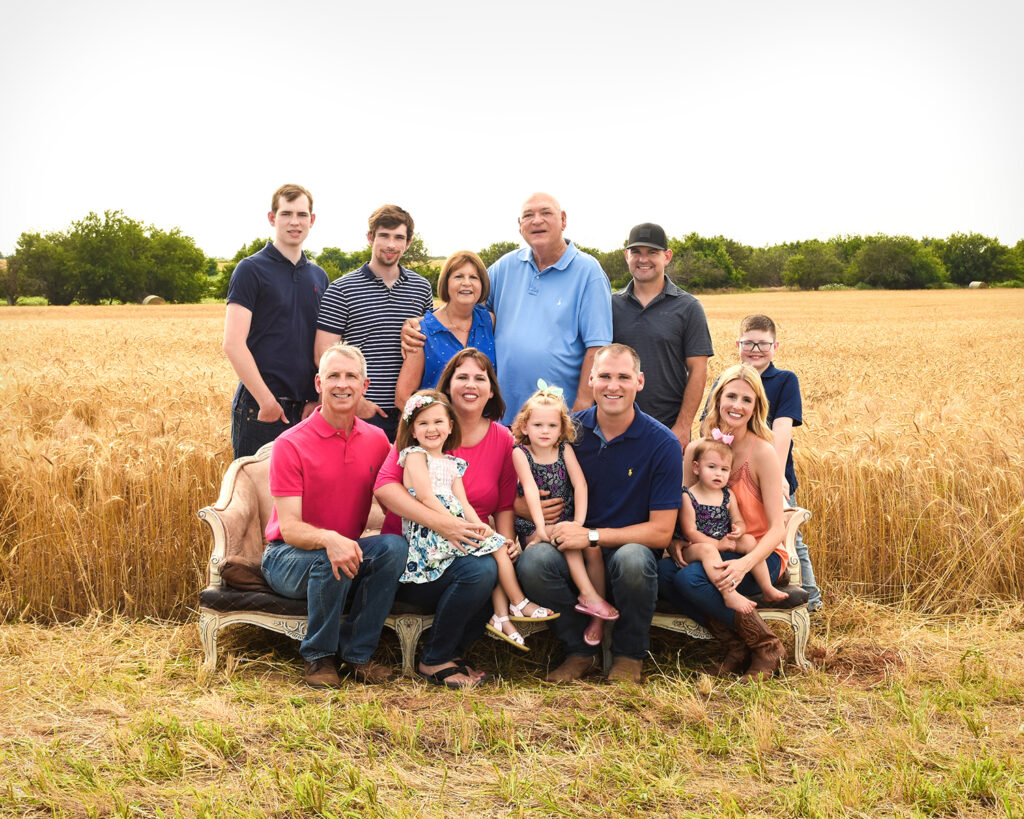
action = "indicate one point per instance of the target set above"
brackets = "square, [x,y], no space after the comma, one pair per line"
[322,472]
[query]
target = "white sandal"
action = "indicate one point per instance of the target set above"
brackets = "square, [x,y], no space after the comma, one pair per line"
[539,614]
[515,638]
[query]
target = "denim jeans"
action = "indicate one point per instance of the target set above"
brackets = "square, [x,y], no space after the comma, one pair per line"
[691,591]
[806,569]
[633,588]
[461,601]
[388,424]
[248,433]
[307,574]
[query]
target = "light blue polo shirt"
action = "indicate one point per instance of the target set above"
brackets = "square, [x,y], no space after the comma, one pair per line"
[545,321]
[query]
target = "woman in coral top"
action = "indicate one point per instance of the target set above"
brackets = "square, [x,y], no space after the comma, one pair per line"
[738,414]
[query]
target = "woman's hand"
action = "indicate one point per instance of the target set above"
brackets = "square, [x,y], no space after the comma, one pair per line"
[513,549]
[463,534]
[732,573]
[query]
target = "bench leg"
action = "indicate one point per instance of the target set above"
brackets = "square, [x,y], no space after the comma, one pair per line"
[209,625]
[801,621]
[408,630]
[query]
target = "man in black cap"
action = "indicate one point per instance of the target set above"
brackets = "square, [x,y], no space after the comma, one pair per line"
[667,327]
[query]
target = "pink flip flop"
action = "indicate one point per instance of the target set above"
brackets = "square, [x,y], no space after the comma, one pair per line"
[588,634]
[604,610]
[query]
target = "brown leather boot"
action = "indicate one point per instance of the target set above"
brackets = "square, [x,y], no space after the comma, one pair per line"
[574,668]
[626,669]
[737,656]
[322,673]
[767,649]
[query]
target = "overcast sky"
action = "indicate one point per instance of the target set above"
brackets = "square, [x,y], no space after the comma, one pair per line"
[762,121]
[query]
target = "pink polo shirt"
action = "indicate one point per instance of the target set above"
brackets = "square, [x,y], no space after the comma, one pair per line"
[490,479]
[332,472]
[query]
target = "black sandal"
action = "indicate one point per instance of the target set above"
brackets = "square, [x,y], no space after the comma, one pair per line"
[441,677]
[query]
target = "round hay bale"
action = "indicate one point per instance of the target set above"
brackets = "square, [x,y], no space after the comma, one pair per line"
[154,300]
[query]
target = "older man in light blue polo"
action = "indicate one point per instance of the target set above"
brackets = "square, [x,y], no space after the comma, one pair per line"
[552,304]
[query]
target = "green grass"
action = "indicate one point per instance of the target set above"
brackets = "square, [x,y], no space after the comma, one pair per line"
[903,716]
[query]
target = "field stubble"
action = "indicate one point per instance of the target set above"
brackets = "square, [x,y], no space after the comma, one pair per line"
[115,430]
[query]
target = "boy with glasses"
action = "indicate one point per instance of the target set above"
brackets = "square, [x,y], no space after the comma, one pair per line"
[757,346]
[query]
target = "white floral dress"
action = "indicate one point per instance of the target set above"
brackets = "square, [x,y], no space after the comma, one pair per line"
[430,553]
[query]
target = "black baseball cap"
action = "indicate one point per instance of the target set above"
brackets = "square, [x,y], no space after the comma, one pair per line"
[648,235]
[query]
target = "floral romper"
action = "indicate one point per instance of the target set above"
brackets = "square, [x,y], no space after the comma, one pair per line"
[713,521]
[555,478]
[430,553]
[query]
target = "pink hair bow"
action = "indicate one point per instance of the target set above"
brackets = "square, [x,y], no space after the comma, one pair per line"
[718,435]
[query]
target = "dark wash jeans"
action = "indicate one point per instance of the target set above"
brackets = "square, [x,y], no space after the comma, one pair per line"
[691,591]
[247,433]
[307,574]
[632,585]
[461,601]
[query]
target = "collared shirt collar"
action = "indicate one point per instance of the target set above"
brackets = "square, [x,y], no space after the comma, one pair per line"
[588,419]
[325,430]
[770,370]
[368,274]
[526,255]
[275,254]
[669,288]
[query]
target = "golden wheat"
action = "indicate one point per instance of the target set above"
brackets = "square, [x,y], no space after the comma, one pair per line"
[115,430]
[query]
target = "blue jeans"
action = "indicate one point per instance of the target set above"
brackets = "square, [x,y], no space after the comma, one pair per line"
[461,601]
[691,591]
[806,569]
[307,574]
[388,424]
[633,587]
[248,433]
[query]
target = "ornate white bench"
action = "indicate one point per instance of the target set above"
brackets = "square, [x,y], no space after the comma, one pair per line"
[237,593]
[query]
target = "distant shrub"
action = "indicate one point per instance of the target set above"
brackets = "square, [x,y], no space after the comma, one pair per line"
[835,286]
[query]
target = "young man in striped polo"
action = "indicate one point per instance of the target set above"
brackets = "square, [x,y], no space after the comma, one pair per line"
[366,308]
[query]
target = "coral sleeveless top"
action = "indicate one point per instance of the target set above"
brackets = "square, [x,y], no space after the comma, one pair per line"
[748,496]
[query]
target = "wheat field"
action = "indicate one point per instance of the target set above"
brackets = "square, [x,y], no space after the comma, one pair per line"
[115,430]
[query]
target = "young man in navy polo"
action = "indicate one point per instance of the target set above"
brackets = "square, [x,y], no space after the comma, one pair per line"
[273,300]
[634,471]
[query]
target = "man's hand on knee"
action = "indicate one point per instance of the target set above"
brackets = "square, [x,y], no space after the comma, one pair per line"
[344,554]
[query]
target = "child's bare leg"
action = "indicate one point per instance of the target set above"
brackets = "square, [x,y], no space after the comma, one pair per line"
[500,601]
[582,572]
[706,553]
[508,583]
[768,591]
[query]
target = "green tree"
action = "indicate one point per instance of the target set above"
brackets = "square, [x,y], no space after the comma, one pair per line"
[815,265]
[110,256]
[896,263]
[764,267]
[702,263]
[43,265]
[336,262]
[970,257]
[220,290]
[177,268]
[492,253]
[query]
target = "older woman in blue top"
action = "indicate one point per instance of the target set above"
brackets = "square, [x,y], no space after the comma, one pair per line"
[461,322]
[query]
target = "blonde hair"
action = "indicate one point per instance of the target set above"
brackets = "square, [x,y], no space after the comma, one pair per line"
[542,399]
[706,445]
[404,437]
[758,423]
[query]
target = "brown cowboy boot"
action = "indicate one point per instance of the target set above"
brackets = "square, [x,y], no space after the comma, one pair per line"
[736,654]
[767,649]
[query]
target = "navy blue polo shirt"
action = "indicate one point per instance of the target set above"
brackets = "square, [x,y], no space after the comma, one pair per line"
[783,390]
[284,300]
[631,475]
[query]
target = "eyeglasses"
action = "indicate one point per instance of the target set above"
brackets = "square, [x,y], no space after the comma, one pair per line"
[760,346]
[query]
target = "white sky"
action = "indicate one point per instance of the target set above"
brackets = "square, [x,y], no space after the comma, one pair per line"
[762,121]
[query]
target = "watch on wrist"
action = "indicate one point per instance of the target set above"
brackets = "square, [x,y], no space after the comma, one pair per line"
[593,537]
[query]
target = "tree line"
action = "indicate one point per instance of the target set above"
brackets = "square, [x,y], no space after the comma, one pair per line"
[115,258]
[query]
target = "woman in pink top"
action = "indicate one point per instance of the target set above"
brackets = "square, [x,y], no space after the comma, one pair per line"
[739,412]
[461,597]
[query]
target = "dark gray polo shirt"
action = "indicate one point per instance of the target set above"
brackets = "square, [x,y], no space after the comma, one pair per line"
[670,329]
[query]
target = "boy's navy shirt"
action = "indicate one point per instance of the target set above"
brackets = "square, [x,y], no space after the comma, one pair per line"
[782,389]
[284,300]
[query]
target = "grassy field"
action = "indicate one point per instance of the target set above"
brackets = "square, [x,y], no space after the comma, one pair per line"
[114,431]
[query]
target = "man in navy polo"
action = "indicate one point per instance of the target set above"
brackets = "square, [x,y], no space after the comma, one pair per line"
[273,301]
[366,308]
[634,471]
